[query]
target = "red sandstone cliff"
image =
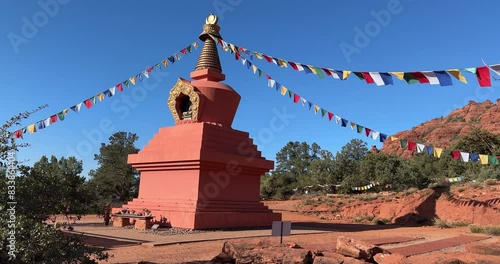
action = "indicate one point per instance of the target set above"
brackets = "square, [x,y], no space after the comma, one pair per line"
[442,132]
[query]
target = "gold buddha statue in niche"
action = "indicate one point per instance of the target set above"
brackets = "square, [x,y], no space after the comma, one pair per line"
[186,108]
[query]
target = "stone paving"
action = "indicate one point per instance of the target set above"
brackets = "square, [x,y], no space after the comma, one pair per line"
[137,236]
[428,247]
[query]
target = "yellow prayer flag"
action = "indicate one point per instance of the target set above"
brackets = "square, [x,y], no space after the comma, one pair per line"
[132,80]
[312,69]
[195,45]
[254,68]
[345,74]
[32,128]
[257,55]
[165,63]
[282,63]
[233,48]
[100,96]
[398,75]
[65,111]
[283,90]
[316,109]
[393,138]
[437,152]
[457,74]
[483,159]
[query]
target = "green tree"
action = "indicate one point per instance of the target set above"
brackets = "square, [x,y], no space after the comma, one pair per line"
[73,195]
[25,236]
[347,161]
[478,141]
[7,139]
[114,176]
[322,169]
[294,161]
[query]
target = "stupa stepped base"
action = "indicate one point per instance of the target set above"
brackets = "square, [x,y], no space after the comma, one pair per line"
[207,214]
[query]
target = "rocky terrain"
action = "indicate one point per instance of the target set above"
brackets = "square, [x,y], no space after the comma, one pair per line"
[443,131]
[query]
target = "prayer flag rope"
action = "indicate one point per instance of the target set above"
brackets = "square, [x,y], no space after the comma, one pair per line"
[439,77]
[369,132]
[89,102]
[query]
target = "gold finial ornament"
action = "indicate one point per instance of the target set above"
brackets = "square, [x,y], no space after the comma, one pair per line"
[209,57]
[212,19]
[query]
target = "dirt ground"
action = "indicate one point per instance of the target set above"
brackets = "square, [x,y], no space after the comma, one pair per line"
[202,252]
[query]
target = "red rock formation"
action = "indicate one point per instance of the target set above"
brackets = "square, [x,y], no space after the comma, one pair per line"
[442,132]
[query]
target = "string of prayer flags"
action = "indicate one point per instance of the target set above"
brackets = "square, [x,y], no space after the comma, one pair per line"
[454,179]
[271,83]
[454,154]
[366,187]
[91,101]
[369,132]
[438,77]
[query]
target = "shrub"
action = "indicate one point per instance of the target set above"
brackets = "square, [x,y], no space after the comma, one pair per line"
[490,182]
[411,191]
[380,221]
[475,185]
[490,230]
[441,223]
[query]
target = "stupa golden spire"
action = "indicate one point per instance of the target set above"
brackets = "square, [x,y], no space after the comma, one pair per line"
[209,57]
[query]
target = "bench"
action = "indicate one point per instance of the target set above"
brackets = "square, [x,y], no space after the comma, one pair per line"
[141,222]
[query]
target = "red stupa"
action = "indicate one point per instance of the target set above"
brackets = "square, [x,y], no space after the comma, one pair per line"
[201,173]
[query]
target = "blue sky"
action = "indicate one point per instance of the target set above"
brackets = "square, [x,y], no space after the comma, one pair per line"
[81,48]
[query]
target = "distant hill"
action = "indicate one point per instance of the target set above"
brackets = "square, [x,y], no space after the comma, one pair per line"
[443,132]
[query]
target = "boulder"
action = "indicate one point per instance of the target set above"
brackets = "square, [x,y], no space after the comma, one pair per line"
[357,249]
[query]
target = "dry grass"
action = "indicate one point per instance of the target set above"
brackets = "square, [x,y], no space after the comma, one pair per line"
[489,229]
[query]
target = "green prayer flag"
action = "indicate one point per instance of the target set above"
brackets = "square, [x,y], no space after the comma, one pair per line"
[360,75]
[290,93]
[404,143]
[126,83]
[93,100]
[189,48]
[323,112]
[260,73]
[60,115]
[493,160]
[447,152]
[158,66]
[319,72]
[24,130]
[359,128]
[409,78]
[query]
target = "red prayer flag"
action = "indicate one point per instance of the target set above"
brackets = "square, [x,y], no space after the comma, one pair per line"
[327,71]
[368,79]
[150,69]
[455,154]
[184,51]
[420,77]
[268,77]
[18,133]
[330,116]
[412,146]
[367,131]
[119,87]
[296,98]
[53,118]
[88,103]
[483,76]
[236,55]
[294,66]
[269,59]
